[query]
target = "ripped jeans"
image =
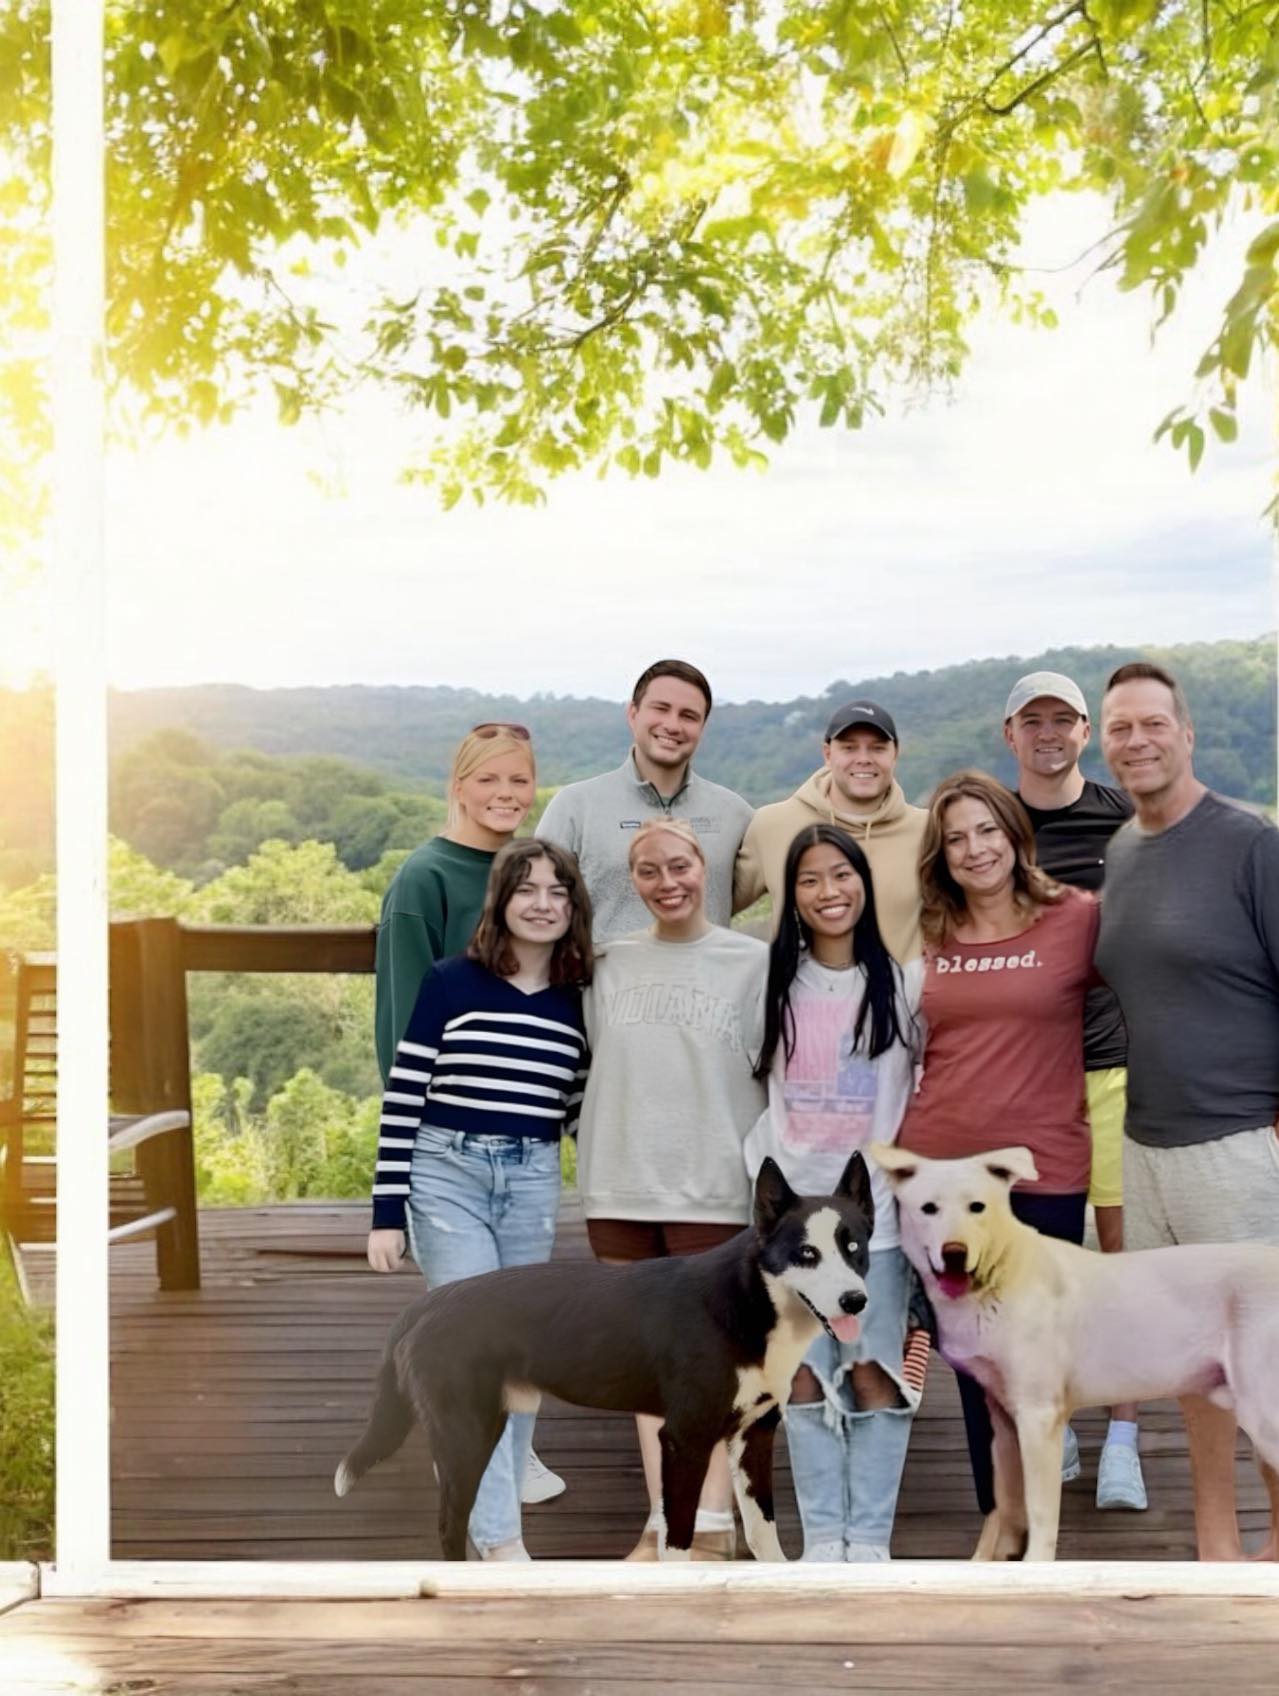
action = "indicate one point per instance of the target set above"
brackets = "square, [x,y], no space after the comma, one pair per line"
[478,1203]
[847,1462]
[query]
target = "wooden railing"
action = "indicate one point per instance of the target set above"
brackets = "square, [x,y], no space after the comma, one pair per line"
[151,1045]
[277,948]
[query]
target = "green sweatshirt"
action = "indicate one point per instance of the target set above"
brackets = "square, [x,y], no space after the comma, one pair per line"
[429,912]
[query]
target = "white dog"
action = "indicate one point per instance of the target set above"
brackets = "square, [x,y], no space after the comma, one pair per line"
[1046,1327]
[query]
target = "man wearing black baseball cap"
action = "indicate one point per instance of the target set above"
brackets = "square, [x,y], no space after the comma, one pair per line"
[856,788]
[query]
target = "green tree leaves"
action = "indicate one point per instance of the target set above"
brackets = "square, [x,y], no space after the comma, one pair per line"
[660,233]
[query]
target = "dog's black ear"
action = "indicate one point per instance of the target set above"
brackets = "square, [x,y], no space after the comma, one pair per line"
[855,1184]
[773,1196]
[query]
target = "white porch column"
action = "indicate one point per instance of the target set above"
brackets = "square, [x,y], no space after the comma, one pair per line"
[78,599]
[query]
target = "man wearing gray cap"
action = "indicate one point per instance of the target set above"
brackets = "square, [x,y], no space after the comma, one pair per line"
[1046,725]
[856,788]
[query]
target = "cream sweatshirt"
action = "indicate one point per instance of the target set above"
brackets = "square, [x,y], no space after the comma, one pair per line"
[675,1029]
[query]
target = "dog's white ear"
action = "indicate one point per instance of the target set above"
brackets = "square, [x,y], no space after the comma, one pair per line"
[1011,1165]
[773,1196]
[897,1164]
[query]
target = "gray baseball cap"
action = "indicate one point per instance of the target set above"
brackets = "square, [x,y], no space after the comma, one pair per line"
[1051,684]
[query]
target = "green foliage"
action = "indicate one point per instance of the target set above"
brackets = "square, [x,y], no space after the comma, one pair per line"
[312,1142]
[139,890]
[187,806]
[638,234]
[27,916]
[286,884]
[26,1425]
[245,825]
[264,1027]
[262,1037]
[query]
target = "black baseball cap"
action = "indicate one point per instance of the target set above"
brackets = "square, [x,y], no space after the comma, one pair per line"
[853,713]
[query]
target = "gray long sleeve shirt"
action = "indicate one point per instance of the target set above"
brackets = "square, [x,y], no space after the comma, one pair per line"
[597,818]
[1190,944]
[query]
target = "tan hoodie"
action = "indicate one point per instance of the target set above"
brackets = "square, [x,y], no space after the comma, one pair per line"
[889,839]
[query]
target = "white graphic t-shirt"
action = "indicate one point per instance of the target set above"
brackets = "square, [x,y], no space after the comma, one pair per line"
[829,1099]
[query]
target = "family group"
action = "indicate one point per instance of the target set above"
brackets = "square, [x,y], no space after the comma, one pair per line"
[946,977]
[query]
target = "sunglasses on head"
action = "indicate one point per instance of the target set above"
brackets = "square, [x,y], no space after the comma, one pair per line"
[494,728]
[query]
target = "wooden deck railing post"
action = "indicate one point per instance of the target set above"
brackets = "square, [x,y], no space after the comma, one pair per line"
[151,1072]
[11,1108]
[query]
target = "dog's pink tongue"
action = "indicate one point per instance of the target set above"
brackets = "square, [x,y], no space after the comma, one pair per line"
[954,1284]
[847,1327]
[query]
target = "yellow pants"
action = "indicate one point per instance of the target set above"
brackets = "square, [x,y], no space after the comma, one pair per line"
[1107,1100]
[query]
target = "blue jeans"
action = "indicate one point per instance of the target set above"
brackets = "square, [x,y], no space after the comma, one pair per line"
[847,1461]
[478,1203]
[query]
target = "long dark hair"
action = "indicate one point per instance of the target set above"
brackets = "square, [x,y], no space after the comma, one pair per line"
[572,961]
[879,1006]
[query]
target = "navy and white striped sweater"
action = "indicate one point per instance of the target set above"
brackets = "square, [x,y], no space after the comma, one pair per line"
[478,1055]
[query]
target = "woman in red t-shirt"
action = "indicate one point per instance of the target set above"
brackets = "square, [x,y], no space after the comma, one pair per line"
[1007,964]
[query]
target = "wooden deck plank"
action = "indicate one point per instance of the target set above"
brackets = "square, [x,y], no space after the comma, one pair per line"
[636,1646]
[232,1405]
[718,1616]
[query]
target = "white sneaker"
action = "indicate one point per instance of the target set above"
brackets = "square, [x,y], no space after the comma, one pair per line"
[829,1553]
[540,1483]
[866,1552]
[1070,1466]
[1119,1480]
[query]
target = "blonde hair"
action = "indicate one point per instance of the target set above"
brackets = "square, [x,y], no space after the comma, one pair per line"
[672,827]
[944,902]
[477,749]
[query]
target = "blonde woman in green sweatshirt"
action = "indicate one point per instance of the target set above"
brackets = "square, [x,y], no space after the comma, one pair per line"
[435,899]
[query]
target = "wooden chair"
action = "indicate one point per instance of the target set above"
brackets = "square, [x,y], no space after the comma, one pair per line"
[152,1184]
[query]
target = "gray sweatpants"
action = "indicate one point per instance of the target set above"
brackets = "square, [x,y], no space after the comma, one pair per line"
[1224,1191]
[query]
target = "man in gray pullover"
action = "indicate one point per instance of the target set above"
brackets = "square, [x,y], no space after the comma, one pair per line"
[596,818]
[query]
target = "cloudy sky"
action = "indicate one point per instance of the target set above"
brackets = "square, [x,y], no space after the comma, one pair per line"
[1029,509]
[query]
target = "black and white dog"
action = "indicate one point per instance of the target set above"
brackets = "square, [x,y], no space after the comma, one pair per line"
[709,1343]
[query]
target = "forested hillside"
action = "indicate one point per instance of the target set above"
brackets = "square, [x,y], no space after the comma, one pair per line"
[947,718]
[202,775]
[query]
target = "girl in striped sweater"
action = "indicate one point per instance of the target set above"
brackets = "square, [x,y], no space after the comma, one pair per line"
[487,1076]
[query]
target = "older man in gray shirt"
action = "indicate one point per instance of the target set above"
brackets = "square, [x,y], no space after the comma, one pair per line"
[597,818]
[1190,944]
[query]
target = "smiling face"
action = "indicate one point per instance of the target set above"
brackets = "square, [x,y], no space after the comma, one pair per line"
[494,799]
[541,907]
[954,1214]
[668,723]
[1047,737]
[669,878]
[979,856]
[829,895]
[861,762]
[1146,745]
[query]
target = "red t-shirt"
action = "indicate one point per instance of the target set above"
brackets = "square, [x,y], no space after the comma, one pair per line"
[1003,1061]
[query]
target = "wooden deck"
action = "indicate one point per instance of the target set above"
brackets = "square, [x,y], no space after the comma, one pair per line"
[232,1404]
[713,1645]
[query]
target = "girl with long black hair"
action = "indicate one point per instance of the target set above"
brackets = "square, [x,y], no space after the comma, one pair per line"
[840,1043]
